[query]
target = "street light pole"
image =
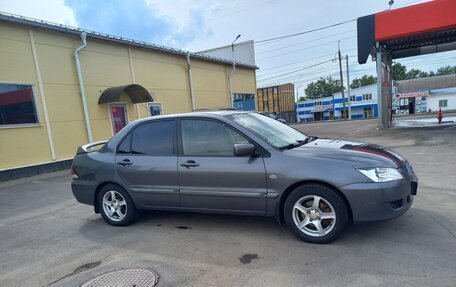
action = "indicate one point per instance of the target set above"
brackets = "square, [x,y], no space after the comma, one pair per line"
[232,72]
[348,90]
[341,82]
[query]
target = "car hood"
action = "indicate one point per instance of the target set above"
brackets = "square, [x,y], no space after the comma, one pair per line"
[359,154]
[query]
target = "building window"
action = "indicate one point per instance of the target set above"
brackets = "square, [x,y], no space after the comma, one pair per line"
[352,98]
[367,97]
[368,113]
[244,102]
[443,103]
[265,105]
[155,109]
[317,103]
[17,105]
[274,91]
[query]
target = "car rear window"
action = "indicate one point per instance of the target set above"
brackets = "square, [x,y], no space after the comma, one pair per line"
[154,138]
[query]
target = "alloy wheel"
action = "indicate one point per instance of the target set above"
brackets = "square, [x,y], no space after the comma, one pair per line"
[314,215]
[114,205]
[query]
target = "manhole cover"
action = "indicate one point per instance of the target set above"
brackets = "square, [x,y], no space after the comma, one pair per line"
[127,277]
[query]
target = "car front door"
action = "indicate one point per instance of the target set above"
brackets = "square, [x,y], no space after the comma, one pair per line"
[210,176]
[146,162]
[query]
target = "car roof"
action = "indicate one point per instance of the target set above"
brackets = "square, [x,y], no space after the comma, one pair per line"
[198,113]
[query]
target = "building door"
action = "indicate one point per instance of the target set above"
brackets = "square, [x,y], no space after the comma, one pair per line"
[211,177]
[318,116]
[118,113]
[411,106]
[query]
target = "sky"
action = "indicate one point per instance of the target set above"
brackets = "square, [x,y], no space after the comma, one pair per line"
[197,25]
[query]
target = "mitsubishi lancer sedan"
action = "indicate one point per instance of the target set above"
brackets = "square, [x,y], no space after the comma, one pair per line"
[242,163]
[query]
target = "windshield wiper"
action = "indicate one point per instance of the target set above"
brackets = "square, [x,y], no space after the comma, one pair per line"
[293,145]
[308,139]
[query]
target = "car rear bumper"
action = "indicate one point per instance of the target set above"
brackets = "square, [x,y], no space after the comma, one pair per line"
[84,191]
[380,201]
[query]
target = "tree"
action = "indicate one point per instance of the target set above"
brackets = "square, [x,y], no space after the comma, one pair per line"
[399,72]
[301,99]
[324,87]
[447,70]
[365,80]
[414,74]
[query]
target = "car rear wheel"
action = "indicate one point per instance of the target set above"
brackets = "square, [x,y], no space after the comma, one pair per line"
[116,206]
[315,213]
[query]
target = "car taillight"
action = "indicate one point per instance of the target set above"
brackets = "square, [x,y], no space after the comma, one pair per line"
[74,174]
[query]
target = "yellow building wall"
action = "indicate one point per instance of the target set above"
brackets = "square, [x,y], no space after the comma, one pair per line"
[104,64]
[17,66]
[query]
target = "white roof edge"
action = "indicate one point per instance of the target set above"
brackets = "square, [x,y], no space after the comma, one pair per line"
[226,46]
[22,20]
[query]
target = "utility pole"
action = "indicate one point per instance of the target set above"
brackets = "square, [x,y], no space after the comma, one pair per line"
[348,90]
[341,81]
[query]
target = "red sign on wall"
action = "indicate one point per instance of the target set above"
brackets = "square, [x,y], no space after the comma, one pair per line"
[118,118]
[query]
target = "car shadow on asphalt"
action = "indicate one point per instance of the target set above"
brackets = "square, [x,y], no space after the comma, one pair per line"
[166,225]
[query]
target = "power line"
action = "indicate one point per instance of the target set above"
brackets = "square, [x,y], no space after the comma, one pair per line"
[291,78]
[305,32]
[304,49]
[302,69]
[305,60]
[357,72]
[294,63]
[306,42]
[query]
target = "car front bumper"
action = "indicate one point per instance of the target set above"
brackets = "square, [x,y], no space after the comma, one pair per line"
[380,201]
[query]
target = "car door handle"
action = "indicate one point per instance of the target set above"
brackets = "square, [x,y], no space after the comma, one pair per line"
[125,162]
[190,164]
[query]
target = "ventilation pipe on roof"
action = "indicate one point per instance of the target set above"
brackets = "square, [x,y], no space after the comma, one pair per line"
[189,68]
[81,86]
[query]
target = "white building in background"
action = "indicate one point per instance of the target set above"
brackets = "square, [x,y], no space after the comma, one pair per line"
[363,102]
[424,101]
[443,98]
[243,52]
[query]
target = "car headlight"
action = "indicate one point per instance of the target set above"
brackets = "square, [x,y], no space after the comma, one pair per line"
[383,174]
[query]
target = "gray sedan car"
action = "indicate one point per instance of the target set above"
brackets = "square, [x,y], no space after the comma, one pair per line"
[242,163]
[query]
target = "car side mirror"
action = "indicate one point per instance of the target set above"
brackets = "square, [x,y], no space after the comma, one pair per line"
[244,149]
[282,121]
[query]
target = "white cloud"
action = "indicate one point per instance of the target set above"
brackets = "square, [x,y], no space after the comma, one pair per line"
[48,10]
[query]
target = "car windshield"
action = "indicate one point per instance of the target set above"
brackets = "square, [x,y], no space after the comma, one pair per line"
[271,131]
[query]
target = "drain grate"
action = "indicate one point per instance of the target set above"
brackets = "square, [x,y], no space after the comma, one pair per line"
[126,277]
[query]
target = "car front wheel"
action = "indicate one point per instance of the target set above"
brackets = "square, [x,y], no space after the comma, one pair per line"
[315,213]
[116,206]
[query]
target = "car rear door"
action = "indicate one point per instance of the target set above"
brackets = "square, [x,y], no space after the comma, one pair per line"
[146,162]
[210,176]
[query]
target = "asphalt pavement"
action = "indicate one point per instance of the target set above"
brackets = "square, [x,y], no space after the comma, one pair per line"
[48,239]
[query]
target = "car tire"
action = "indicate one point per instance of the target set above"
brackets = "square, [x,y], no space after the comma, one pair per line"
[116,206]
[315,213]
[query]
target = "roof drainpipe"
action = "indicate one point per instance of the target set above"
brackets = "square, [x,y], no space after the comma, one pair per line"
[81,86]
[230,81]
[189,68]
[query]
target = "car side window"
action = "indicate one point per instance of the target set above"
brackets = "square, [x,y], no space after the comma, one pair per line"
[154,138]
[208,138]
[125,145]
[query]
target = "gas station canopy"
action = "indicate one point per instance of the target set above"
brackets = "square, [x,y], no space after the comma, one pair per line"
[410,31]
